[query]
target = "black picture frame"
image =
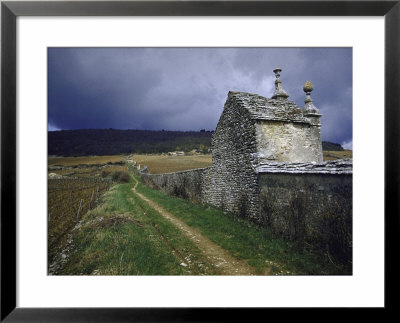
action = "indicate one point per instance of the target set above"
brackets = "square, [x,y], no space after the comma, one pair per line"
[10,10]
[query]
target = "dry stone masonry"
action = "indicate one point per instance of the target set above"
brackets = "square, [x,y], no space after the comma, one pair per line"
[267,166]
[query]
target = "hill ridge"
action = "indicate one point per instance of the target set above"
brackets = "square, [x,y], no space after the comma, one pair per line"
[84,142]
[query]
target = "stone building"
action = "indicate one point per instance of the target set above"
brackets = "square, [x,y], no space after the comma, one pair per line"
[267,166]
[253,130]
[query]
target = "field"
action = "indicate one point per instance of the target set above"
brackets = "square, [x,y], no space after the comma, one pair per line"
[87,166]
[331,155]
[157,164]
[68,200]
[75,186]
[85,160]
[90,171]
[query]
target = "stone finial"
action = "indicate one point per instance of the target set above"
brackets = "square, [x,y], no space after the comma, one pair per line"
[280,93]
[309,106]
[308,87]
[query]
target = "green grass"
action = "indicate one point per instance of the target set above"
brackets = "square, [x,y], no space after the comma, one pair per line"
[246,240]
[125,236]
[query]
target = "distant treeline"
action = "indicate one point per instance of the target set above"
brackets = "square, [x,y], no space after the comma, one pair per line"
[113,142]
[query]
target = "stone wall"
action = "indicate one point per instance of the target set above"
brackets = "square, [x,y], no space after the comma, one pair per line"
[305,202]
[309,207]
[192,185]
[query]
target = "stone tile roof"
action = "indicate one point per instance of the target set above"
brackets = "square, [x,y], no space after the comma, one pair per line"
[339,166]
[262,108]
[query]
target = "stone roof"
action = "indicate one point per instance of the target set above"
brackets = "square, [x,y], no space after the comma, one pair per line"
[262,108]
[339,166]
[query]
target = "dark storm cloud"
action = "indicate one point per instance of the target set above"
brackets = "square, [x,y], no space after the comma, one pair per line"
[185,88]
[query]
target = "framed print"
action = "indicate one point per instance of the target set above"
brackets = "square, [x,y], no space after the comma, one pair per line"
[65,67]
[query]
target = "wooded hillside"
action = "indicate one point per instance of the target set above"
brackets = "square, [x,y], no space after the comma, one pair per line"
[113,142]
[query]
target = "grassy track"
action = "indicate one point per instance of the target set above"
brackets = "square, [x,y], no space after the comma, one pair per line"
[126,237]
[245,240]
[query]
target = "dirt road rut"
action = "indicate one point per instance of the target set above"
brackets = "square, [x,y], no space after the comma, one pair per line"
[218,257]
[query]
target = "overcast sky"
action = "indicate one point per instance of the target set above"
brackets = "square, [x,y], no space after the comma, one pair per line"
[186,88]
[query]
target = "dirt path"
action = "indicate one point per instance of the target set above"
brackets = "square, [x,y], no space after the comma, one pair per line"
[217,256]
